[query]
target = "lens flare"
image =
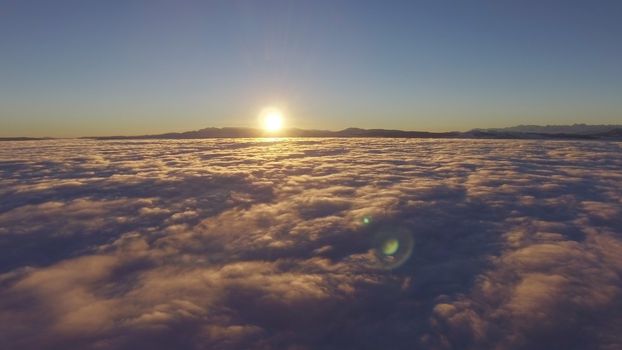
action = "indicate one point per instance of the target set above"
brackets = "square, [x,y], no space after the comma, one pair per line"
[392,247]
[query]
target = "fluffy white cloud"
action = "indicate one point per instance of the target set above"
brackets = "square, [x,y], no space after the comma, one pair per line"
[310,243]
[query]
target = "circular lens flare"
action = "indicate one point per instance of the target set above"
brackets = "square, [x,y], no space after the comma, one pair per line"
[392,247]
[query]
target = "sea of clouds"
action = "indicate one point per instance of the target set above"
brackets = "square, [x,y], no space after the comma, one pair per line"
[282,244]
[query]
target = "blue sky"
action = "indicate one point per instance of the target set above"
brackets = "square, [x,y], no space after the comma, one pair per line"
[86,67]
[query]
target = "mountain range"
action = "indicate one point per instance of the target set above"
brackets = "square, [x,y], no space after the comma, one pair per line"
[576,131]
[569,132]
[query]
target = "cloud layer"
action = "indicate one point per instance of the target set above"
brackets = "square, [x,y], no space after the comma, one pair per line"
[311,244]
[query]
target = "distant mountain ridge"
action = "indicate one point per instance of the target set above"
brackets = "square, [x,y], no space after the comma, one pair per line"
[571,132]
[576,129]
[293,132]
[549,132]
[25,138]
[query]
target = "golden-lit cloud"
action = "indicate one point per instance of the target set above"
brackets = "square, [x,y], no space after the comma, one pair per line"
[310,243]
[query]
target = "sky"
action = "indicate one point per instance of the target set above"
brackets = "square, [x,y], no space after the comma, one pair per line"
[122,67]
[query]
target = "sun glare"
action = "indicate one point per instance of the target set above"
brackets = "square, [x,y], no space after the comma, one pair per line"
[272,119]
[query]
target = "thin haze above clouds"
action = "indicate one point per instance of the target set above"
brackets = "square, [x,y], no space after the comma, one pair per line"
[272,244]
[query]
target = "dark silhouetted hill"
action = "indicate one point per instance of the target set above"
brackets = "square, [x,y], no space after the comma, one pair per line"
[572,132]
[25,138]
[253,133]
[575,129]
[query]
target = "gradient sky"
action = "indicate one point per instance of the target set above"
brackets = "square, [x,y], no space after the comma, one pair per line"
[87,67]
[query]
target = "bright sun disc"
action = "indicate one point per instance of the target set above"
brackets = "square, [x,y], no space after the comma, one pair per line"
[272,119]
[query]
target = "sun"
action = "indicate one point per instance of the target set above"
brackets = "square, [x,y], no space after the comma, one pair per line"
[271,119]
